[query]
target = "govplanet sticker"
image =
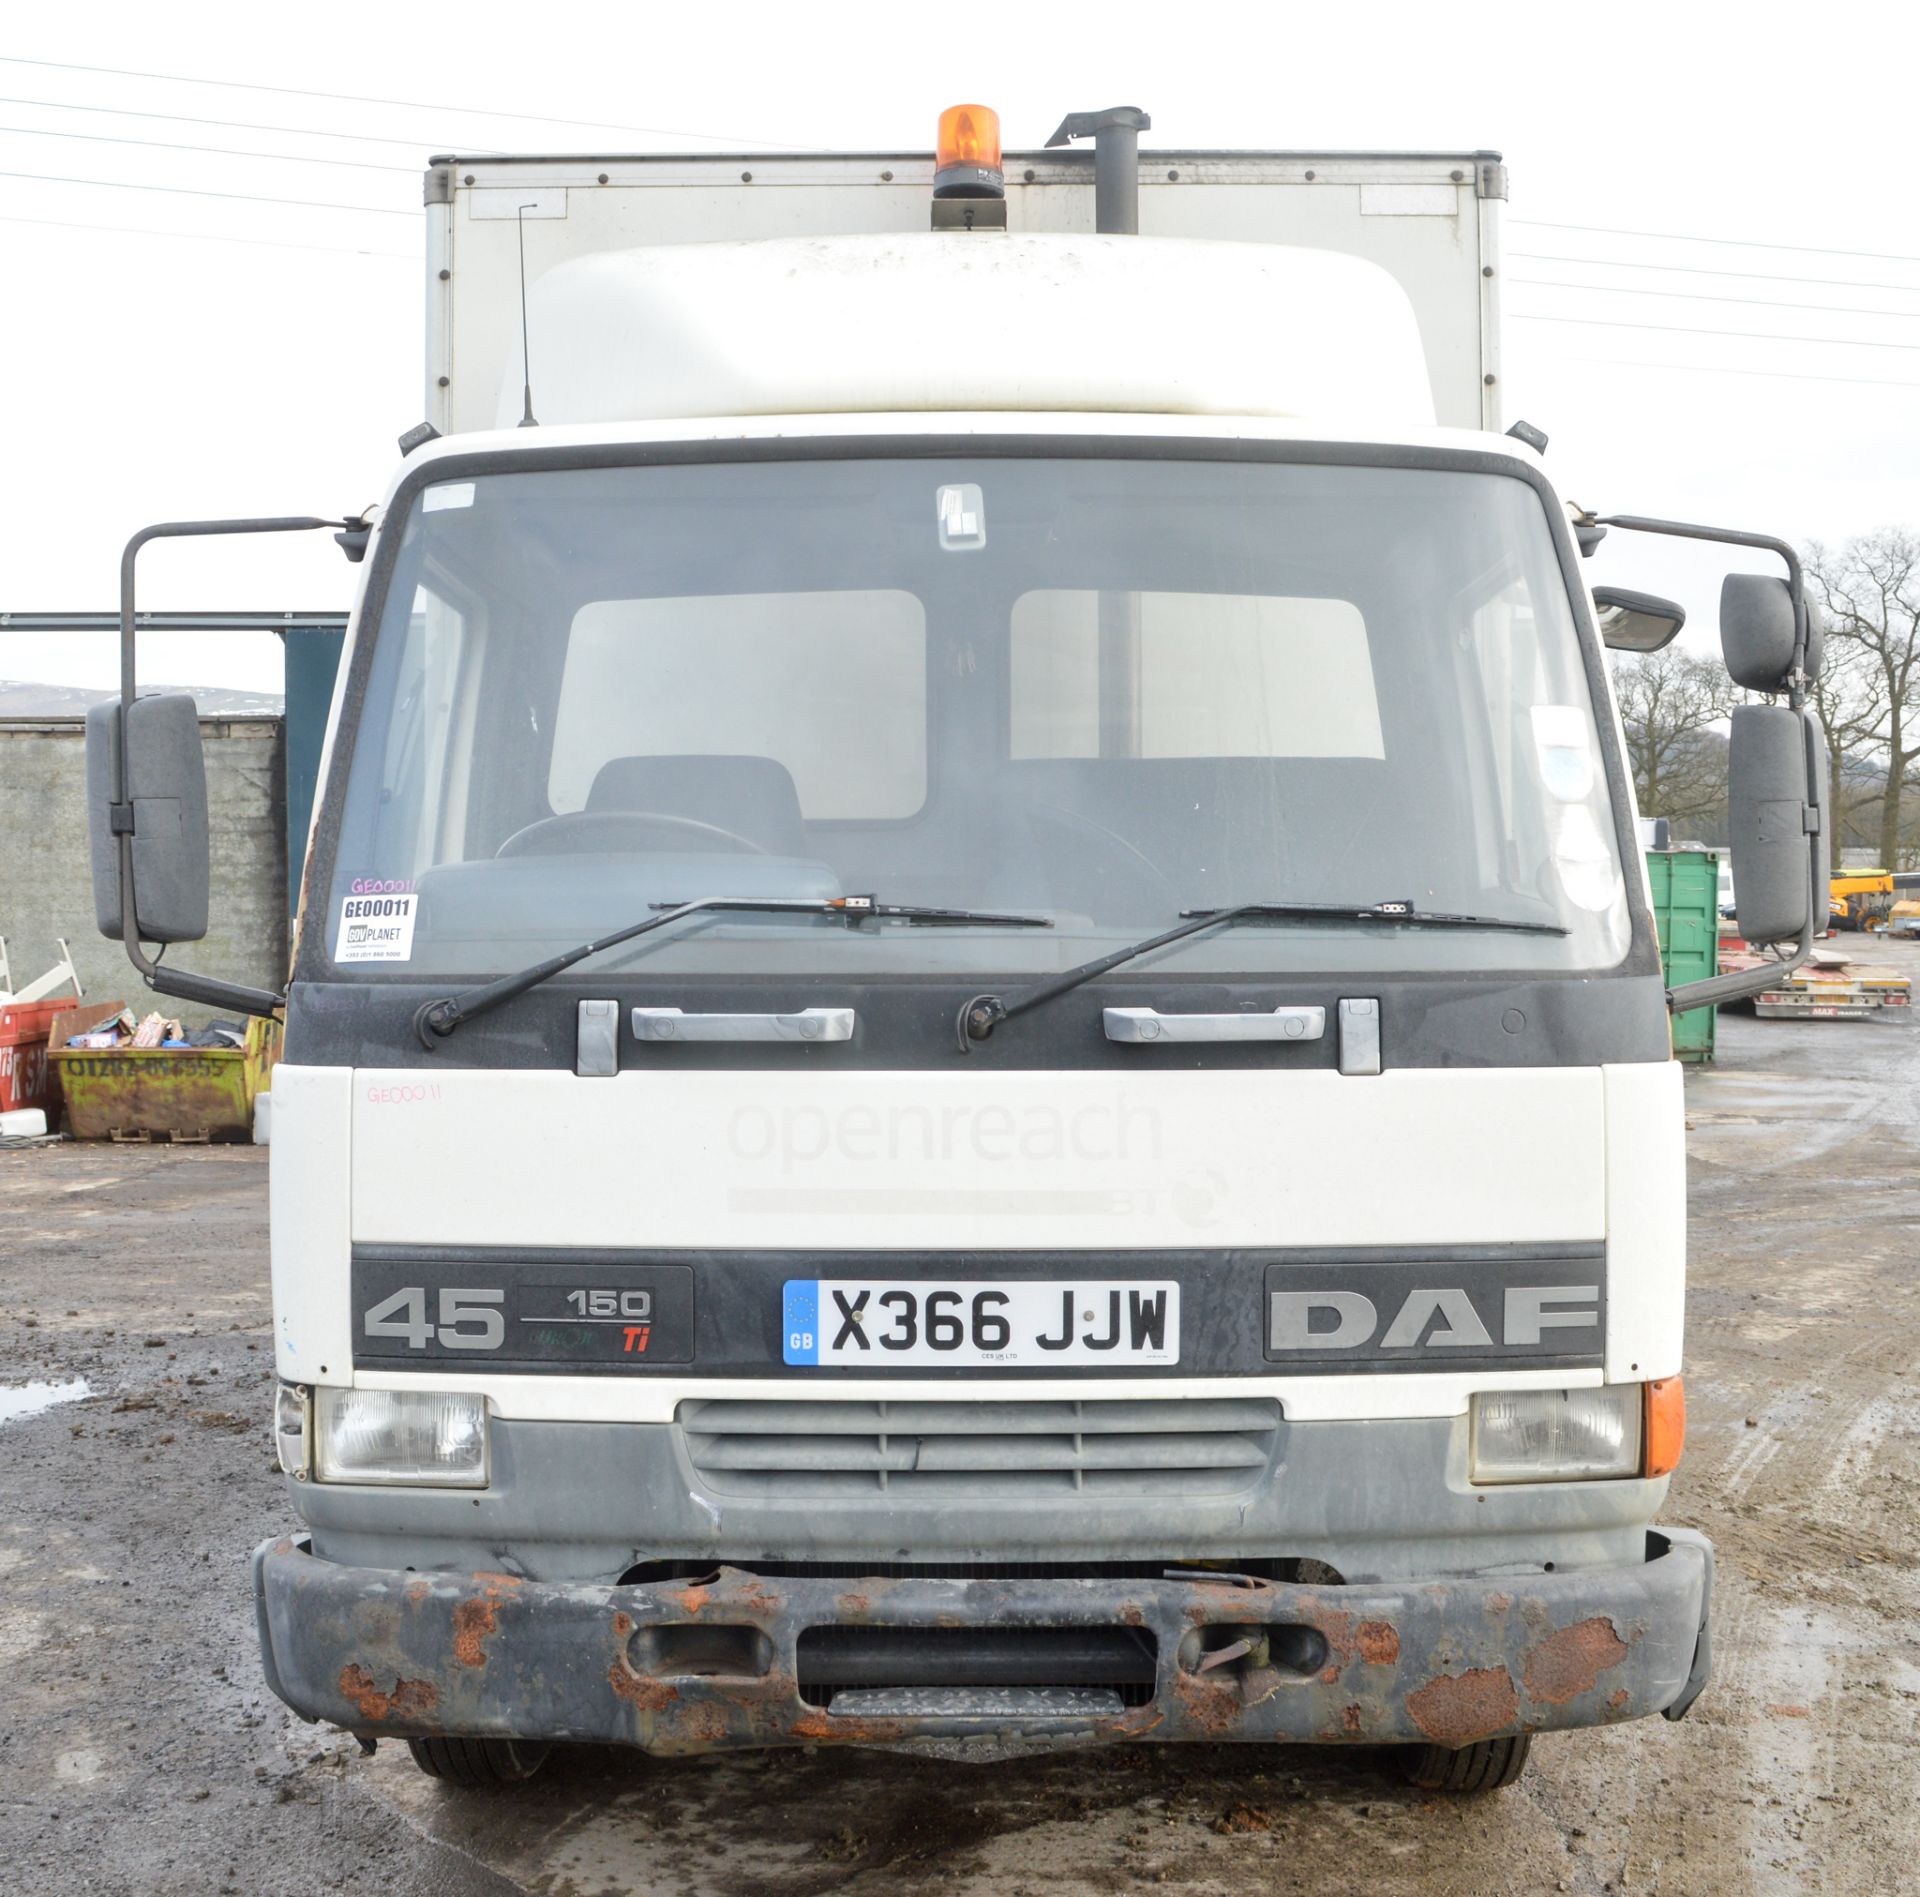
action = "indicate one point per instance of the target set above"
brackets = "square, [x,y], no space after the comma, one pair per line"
[376,929]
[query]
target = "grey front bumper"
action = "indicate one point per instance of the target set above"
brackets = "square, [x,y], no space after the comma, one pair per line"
[384,1651]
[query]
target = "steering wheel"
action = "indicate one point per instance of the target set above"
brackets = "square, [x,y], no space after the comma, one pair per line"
[579,832]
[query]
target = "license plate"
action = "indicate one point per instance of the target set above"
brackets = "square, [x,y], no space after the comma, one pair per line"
[969,1324]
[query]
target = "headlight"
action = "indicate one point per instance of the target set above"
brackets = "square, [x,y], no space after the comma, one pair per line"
[1557,1435]
[424,1438]
[292,1428]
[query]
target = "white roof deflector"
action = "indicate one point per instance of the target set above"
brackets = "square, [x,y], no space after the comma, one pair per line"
[971,321]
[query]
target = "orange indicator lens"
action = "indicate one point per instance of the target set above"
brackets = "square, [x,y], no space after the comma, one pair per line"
[1666,1433]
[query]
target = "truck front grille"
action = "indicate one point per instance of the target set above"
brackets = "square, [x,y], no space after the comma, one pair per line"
[987,1450]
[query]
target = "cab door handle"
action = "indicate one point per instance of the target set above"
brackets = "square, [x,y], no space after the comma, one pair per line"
[659,1025]
[1146,1026]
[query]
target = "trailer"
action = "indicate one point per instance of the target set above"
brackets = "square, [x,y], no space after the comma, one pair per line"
[1851,994]
[1830,987]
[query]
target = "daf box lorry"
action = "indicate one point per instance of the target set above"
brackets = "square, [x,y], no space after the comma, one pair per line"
[976,1057]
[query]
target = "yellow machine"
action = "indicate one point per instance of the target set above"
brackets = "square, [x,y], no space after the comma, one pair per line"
[1863,900]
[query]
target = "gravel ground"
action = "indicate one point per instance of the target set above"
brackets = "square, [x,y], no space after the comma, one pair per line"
[140,1751]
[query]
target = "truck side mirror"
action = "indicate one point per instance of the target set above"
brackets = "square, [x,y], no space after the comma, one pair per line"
[164,805]
[1756,631]
[1773,820]
[1777,785]
[147,796]
[1636,622]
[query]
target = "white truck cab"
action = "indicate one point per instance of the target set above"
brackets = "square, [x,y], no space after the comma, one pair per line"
[977,1058]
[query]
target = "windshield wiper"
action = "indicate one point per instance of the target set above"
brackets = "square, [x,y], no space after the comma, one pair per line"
[979,1017]
[433,1021]
[857,909]
[1381,912]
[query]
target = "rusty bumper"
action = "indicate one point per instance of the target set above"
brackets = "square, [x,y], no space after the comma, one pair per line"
[696,1666]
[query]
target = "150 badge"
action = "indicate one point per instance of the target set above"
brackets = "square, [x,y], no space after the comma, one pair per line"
[517,1314]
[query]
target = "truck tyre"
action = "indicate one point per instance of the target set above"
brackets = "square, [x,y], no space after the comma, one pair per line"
[1486,1766]
[477,1764]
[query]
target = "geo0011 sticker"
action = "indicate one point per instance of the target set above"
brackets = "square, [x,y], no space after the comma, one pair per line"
[376,928]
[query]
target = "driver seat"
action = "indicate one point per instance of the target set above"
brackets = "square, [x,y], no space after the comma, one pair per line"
[753,795]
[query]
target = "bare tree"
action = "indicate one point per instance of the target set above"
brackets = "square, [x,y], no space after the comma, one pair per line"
[1871,590]
[1848,700]
[1671,703]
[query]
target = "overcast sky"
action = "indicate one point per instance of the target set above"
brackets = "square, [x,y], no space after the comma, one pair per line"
[185,350]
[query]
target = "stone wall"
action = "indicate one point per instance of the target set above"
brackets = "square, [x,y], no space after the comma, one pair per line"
[46,887]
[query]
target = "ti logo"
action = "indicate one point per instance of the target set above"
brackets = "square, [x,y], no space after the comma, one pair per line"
[638,1337]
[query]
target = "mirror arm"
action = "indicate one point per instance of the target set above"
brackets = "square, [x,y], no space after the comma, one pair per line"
[1742,982]
[1746,981]
[180,982]
[1736,537]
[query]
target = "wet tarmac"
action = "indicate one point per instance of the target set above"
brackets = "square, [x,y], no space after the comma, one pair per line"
[140,1751]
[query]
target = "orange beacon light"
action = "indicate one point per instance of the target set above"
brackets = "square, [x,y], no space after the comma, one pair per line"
[967,156]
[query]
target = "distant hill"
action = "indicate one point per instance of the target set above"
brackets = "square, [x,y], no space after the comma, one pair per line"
[23,699]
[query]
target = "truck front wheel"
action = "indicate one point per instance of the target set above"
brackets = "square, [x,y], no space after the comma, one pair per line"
[476,1765]
[1487,1766]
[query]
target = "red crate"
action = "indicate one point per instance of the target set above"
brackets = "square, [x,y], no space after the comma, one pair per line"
[25,1077]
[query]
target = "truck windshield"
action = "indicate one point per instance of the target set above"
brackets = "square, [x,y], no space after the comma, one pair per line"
[1100,691]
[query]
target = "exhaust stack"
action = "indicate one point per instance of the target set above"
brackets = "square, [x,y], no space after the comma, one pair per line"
[1116,163]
